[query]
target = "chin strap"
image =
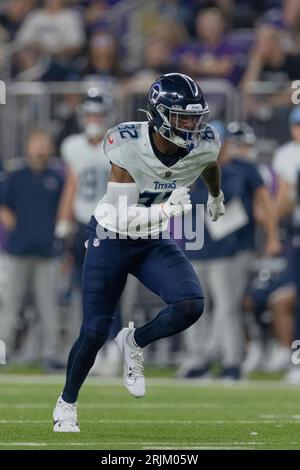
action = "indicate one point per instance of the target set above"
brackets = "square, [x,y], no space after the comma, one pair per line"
[150,118]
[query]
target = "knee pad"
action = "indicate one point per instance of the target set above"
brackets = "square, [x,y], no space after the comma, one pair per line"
[192,309]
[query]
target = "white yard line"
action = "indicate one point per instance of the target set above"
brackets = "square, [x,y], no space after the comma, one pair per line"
[280,417]
[146,445]
[152,382]
[117,405]
[200,447]
[159,421]
[161,405]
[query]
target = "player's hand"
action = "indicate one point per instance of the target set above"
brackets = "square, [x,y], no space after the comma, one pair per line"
[215,206]
[178,203]
[273,247]
[63,229]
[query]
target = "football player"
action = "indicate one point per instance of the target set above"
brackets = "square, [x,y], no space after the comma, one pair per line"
[87,174]
[153,165]
[87,168]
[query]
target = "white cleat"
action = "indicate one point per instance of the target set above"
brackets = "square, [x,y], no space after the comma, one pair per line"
[133,371]
[65,417]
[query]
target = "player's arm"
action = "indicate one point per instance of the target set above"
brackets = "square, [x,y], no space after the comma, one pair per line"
[285,198]
[8,206]
[122,196]
[212,179]
[65,215]
[8,218]
[269,219]
[119,175]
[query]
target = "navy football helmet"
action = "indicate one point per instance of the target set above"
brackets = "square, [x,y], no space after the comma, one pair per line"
[177,108]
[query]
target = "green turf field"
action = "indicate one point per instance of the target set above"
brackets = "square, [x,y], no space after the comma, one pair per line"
[173,415]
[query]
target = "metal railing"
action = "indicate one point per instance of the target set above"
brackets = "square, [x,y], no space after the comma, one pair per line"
[266,106]
[34,104]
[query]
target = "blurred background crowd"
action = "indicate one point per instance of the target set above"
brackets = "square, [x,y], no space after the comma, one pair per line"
[73,69]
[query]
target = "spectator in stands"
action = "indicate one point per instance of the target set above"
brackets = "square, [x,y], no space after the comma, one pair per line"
[164,38]
[267,62]
[212,55]
[95,12]
[52,37]
[287,18]
[157,60]
[172,33]
[29,211]
[57,30]
[240,13]
[13,15]
[103,57]
[223,261]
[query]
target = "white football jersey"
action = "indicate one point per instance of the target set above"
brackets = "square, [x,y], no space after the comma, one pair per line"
[128,146]
[92,170]
[286,162]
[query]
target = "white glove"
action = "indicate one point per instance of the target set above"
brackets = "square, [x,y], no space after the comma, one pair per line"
[63,229]
[215,206]
[178,203]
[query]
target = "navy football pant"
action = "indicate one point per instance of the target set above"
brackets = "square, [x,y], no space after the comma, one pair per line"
[161,266]
[79,251]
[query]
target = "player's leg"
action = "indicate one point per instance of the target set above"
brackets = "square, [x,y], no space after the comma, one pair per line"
[196,357]
[104,276]
[108,362]
[227,292]
[19,271]
[45,295]
[167,272]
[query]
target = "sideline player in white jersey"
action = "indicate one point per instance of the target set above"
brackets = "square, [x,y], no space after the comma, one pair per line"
[153,164]
[87,168]
[88,171]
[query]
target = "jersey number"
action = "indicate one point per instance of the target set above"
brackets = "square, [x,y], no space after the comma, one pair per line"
[148,199]
[89,184]
[208,135]
[128,130]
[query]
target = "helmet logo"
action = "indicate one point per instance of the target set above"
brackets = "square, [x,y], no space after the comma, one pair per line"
[194,107]
[154,93]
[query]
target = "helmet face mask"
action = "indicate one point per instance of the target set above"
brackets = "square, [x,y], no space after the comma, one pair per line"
[183,128]
[178,109]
